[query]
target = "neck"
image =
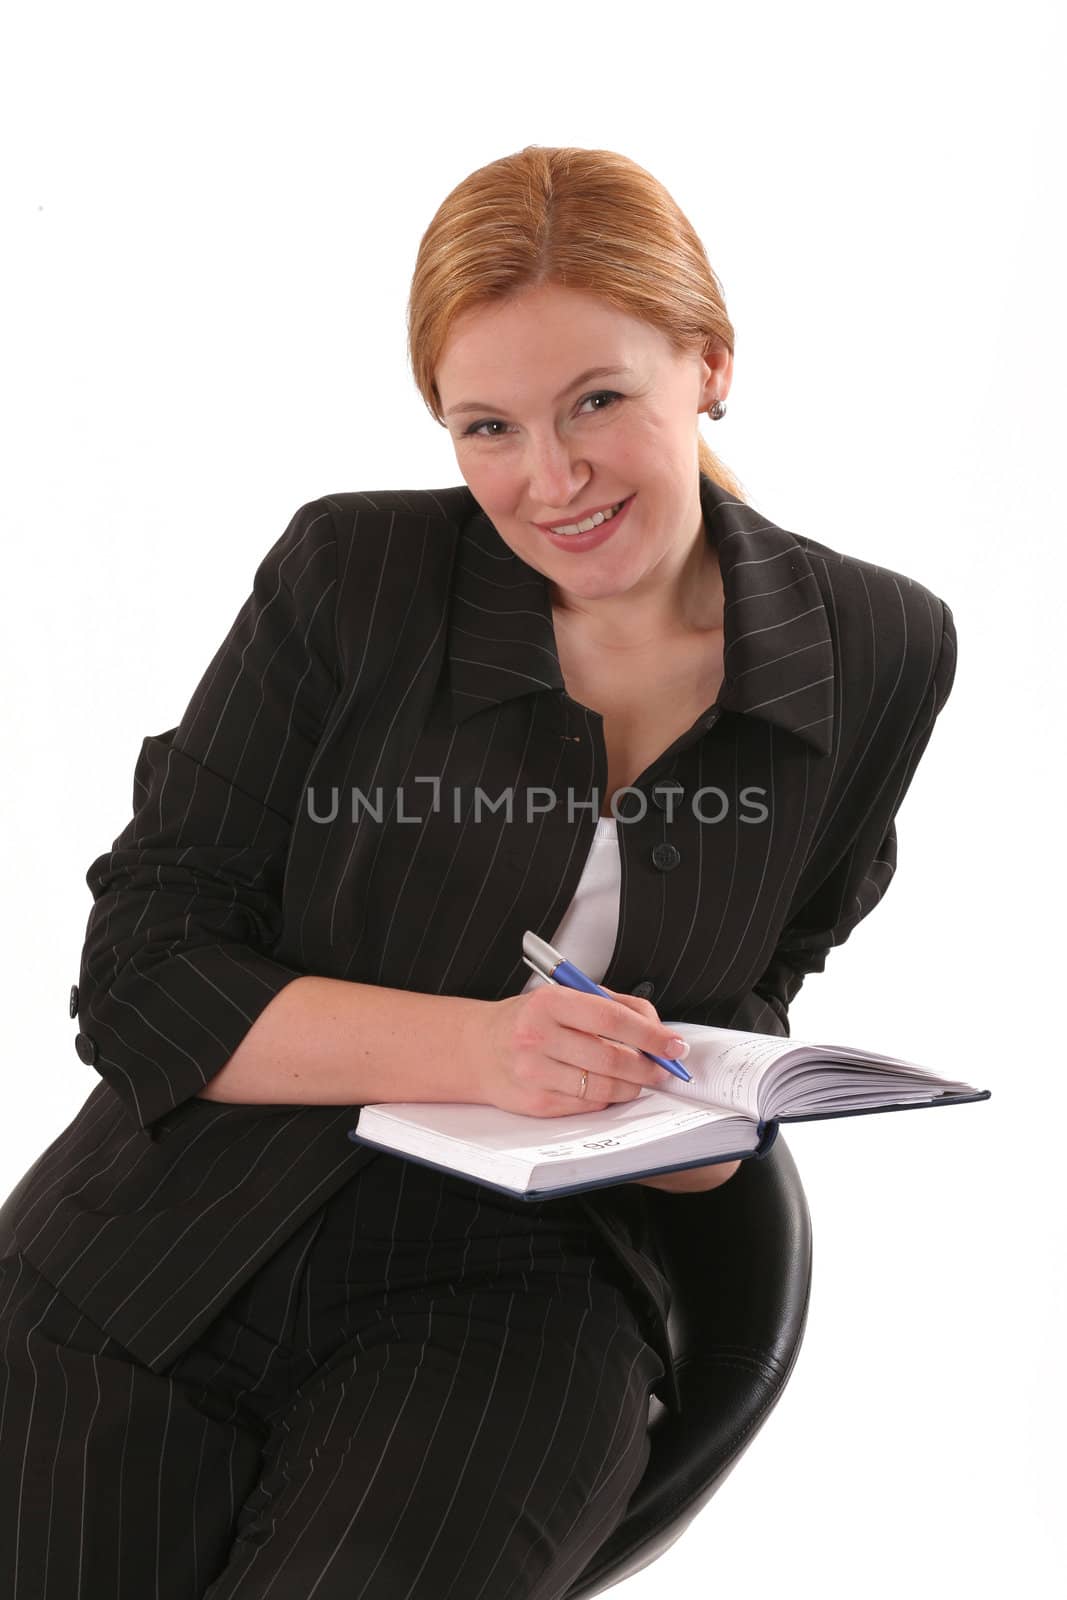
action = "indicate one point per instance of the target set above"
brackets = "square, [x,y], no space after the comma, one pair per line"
[677,599]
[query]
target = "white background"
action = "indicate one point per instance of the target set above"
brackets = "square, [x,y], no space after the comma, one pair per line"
[211,216]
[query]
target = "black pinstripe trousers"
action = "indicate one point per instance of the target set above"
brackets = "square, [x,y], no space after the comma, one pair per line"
[431,1392]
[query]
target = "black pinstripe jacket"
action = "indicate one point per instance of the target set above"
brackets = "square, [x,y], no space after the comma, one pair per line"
[315,811]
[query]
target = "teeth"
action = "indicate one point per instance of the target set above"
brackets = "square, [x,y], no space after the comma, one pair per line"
[590,523]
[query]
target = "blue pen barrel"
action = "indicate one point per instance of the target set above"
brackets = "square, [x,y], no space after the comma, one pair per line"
[565,973]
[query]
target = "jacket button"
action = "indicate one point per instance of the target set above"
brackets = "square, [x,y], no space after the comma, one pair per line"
[74,999]
[660,792]
[665,856]
[644,990]
[86,1048]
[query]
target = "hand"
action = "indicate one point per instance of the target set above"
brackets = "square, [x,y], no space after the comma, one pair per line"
[694,1180]
[529,1050]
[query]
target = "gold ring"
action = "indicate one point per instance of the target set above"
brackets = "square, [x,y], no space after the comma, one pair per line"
[585,1081]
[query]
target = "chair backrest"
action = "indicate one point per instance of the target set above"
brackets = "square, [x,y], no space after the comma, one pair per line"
[738,1260]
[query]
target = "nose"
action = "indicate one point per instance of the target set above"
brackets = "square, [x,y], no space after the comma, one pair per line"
[556,475]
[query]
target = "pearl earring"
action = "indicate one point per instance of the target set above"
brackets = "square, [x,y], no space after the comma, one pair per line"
[717,410]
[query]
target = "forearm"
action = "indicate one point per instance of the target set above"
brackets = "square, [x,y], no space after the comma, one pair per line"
[326,1041]
[692,1180]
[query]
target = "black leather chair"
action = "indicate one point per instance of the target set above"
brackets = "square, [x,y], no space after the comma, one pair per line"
[739,1304]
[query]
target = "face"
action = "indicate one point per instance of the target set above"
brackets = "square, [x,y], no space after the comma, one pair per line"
[538,447]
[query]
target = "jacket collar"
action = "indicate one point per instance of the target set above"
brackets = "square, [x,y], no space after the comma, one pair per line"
[778,650]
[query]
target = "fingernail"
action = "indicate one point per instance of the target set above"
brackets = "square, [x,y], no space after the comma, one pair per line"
[679,1048]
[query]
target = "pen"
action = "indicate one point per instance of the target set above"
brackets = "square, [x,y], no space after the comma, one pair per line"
[548,963]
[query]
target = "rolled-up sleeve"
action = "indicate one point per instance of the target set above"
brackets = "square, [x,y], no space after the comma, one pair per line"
[858,881]
[176,964]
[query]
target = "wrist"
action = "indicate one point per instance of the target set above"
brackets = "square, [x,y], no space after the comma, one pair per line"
[692,1180]
[475,1047]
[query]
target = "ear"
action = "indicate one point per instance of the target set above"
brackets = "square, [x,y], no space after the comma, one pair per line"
[717,372]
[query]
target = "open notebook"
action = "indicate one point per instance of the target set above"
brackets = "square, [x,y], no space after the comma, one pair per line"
[743,1085]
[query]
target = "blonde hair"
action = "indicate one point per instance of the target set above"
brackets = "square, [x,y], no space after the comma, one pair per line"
[590,220]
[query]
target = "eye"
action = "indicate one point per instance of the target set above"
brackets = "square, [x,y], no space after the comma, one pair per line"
[475,429]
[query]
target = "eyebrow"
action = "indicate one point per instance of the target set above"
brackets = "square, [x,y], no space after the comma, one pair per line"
[583,377]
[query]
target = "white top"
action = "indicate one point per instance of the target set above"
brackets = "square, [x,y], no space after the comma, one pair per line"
[586,935]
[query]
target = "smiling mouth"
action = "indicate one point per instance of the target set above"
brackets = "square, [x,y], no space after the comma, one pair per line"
[568,530]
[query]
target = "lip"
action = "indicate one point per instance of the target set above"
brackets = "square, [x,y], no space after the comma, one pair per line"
[576,543]
[581,517]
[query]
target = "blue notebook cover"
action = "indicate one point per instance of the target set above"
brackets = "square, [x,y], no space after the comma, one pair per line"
[768,1132]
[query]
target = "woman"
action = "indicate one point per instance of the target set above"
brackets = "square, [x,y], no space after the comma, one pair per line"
[673,744]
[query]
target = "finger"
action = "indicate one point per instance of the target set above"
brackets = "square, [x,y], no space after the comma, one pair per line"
[613,1019]
[599,1091]
[618,1070]
[636,1002]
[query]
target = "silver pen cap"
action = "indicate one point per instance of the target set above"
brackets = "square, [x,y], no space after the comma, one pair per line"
[540,952]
